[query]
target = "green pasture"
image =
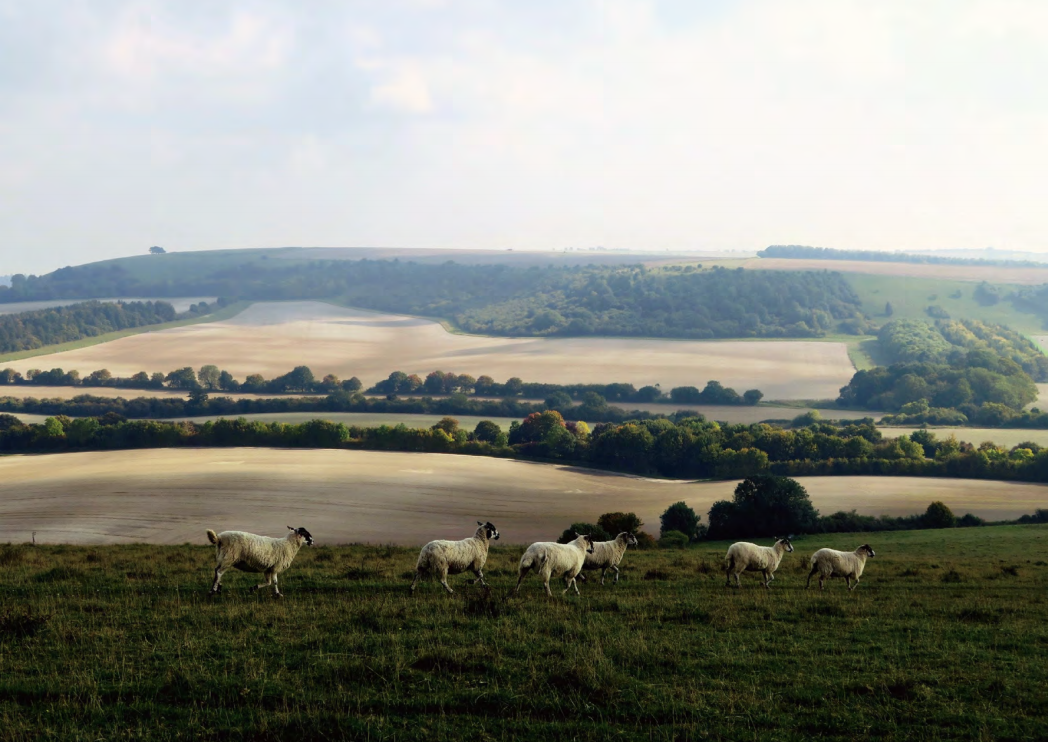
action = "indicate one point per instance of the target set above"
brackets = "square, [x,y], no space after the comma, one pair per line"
[945,638]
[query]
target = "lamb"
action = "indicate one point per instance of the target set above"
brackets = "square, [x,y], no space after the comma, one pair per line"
[250,553]
[833,563]
[608,554]
[452,557]
[549,558]
[747,557]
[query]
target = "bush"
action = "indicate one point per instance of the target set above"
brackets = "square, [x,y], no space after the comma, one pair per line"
[763,506]
[680,518]
[646,541]
[616,523]
[938,515]
[583,529]
[673,540]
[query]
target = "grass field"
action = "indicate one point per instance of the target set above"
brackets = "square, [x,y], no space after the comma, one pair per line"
[63,350]
[271,338]
[170,496]
[945,638]
[961,273]
[1001,436]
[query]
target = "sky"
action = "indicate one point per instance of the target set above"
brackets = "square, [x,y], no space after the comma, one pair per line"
[643,124]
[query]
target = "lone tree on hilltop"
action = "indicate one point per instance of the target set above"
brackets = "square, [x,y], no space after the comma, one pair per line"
[157,250]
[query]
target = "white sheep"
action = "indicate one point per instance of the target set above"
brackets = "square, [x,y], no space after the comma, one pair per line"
[442,558]
[549,558]
[608,554]
[833,563]
[747,557]
[250,553]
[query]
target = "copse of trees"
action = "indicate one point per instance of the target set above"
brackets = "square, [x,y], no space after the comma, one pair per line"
[504,300]
[968,383]
[41,327]
[948,342]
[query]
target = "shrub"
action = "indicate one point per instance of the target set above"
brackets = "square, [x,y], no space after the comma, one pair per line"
[616,523]
[583,529]
[673,540]
[680,518]
[763,506]
[938,516]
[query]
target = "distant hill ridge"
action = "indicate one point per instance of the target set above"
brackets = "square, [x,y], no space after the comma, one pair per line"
[831,253]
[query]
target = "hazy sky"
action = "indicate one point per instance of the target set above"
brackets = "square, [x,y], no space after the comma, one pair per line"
[908,124]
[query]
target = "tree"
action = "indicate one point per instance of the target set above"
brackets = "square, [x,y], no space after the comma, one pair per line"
[489,432]
[514,386]
[763,506]
[558,401]
[616,523]
[209,376]
[101,377]
[648,393]
[352,385]
[583,529]
[448,424]
[157,250]
[938,515]
[183,378]
[226,382]
[888,311]
[680,517]
[752,396]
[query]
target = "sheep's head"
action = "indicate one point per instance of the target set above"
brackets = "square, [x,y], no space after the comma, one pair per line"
[490,532]
[628,538]
[303,534]
[785,544]
[587,541]
[867,550]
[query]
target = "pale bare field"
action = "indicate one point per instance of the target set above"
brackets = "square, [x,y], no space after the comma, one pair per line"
[106,392]
[171,496]
[994,274]
[180,304]
[270,338]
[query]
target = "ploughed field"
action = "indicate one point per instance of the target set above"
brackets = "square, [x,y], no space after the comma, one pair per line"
[171,496]
[270,338]
[946,637]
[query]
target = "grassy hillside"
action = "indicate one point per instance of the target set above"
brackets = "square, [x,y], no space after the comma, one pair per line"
[946,638]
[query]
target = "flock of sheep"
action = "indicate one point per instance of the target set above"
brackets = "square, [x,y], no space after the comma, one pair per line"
[271,556]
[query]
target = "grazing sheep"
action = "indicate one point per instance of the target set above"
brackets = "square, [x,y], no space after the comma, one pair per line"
[608,554]
[549,558]
[747,557]
[250,553]
[443,558]
[833,563]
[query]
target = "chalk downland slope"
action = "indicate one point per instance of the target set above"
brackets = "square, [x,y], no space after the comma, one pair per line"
[169,496]
[269,338]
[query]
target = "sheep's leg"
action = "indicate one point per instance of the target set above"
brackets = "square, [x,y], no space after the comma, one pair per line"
[738,579]
[276,590]
[269,581]
[520,579]
[810,575]
[480,577]
[546,575]
[444,581]
[822,581]
[616,573]
[767,581]
[415,581]
[570,582]
[852,587]
[217,585]
[603,572]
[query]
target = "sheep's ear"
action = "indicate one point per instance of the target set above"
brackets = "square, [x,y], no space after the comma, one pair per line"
[290,528]
[479,523]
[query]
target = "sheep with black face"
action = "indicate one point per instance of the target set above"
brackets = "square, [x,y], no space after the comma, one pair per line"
[832,563]
[608,554]
[549,558]
[746,557]
[443,558]
[249,552]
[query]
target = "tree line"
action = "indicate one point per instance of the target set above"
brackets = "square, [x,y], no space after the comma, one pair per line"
[832,253]
[688,446]
[41,327]
[514,301]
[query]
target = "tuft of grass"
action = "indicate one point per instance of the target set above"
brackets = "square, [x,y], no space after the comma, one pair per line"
[951,575]
[21,624]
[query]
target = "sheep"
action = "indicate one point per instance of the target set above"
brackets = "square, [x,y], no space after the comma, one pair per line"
[250,553]
[452,557]
[549,558]
[747,557]
[608,554]
[833,563]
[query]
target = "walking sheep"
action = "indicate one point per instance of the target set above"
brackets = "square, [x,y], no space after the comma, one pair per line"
[608,554]
[442,558]
[833,563]
[250,553]
[747,557]
[549,558]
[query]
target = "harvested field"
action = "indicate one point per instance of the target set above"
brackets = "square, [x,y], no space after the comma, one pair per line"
[180,304]
[270,338]
[170,496]
[993,274]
